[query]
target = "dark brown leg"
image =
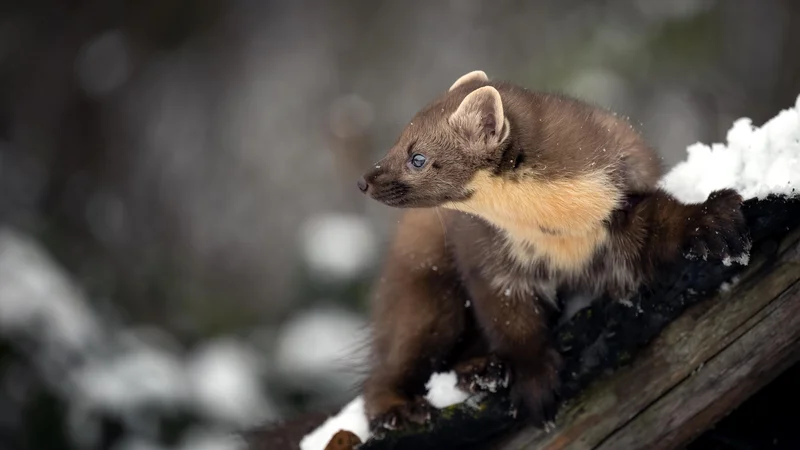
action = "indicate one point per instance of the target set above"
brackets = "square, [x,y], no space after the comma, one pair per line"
[419,316]
[517,331]
[407,353]
[661,230]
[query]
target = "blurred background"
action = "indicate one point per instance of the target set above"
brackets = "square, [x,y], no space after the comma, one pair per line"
[183,250]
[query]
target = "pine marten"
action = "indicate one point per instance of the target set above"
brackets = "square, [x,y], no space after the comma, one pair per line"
[513,198]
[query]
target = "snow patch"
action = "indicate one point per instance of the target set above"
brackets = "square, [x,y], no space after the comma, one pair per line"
[224,377]
[131,380]
[756,161]
[742,259]
[442,390]
[339,246]
[317,344]
[101,367]
[209,440]
[36,297]
[351,418]
[728,285]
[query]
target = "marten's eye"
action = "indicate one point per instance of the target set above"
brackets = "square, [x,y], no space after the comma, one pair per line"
[418,160]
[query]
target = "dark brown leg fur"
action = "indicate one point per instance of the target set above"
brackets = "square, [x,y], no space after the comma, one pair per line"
[516,328]
[419,315]
[660,230]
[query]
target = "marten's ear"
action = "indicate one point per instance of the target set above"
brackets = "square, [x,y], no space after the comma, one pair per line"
[480,117]
[475,75]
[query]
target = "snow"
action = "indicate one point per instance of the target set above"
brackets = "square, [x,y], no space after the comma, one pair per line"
[741,260]
[339,246]
[224,376]
[316,345]
[202,439]
[756,161]
[130,380]
[219,379]
[193,441]
[98,367]
[36,294]
[442,392]
[351,418]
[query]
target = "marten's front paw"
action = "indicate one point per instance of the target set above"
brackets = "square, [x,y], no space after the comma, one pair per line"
[537,385]
[482,374]
[718,230]
[403,416]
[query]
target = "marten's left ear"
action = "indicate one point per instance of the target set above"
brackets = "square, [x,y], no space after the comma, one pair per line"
[480,117]
[475,75]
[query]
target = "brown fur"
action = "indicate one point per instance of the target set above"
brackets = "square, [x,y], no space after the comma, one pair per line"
[522,197]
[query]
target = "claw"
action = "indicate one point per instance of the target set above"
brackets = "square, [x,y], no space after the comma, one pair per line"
[719,231]
[402,416]
[483,374]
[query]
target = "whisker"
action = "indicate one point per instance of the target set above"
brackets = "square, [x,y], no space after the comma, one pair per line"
[441,222]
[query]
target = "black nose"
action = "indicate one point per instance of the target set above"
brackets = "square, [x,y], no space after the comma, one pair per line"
[362,184]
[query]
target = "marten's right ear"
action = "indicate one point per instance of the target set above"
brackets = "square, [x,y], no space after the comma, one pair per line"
[480,118]
[475,75]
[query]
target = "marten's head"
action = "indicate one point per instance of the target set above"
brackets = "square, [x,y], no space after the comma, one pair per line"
[442,148]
